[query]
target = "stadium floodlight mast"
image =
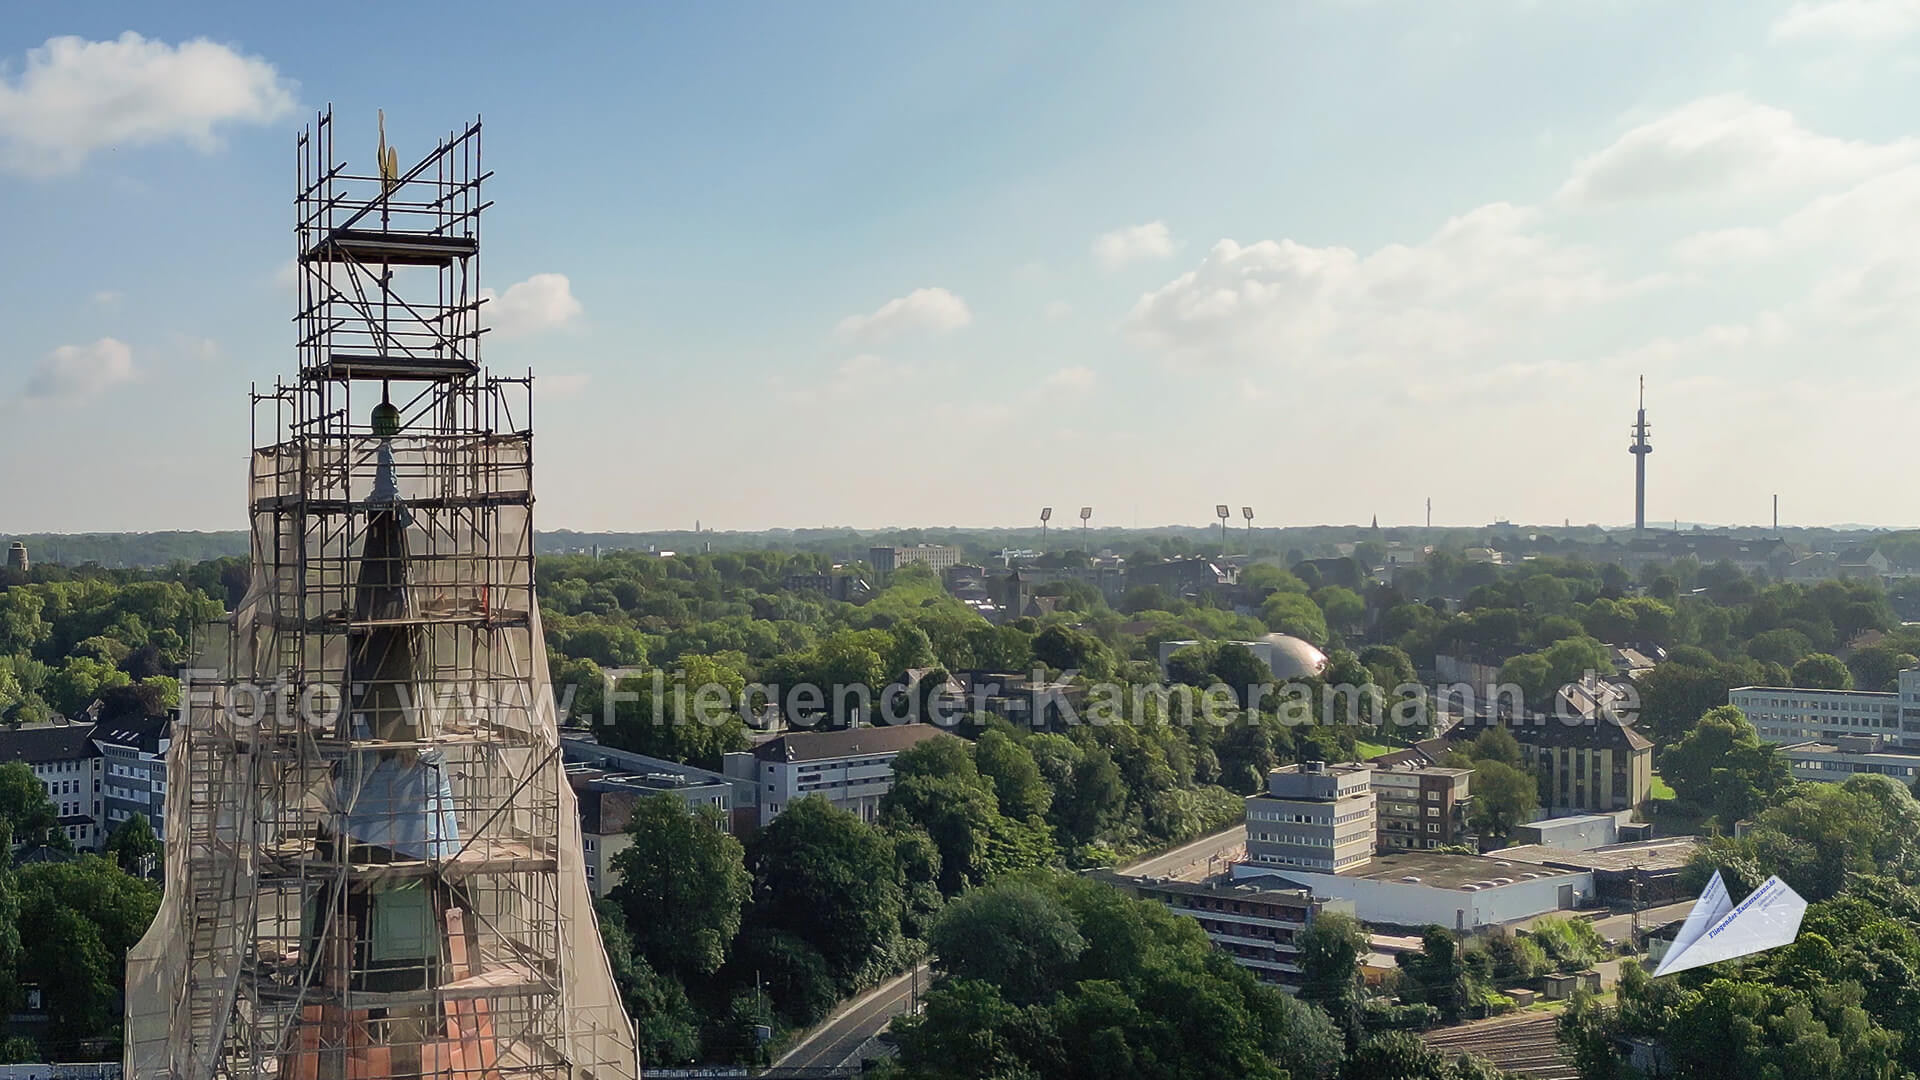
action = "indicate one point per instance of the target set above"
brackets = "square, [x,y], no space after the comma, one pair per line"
[1222,511]
[1247,512]
[1086,512]
[1046,515]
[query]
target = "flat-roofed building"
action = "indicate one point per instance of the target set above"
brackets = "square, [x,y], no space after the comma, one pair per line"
[1792,714]
[1256,923]
[1420,888]
[1848,756]
[1641,872]
[1313,815]
[606,803]
[885,560]
[1420,806]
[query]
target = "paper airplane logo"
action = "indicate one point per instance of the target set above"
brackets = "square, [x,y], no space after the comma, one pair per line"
[1715,930]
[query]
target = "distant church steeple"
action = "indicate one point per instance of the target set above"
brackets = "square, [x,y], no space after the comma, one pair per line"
[1376,523]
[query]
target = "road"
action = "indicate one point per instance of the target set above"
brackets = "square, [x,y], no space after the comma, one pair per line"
[1207,855]
[833,1042]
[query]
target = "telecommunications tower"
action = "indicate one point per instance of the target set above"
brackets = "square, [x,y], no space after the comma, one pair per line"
[1640,448]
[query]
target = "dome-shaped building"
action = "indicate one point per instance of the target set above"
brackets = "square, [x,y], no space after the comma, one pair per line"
[1292,658]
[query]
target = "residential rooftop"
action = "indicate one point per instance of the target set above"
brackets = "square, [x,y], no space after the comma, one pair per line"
[42,744]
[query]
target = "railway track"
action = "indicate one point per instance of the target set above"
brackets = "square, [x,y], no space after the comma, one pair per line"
[1528,1046]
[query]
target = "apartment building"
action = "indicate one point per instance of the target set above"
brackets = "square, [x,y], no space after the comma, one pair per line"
[607,800]
[1257,924]
[1420,806]
[584,755]
[133,766]
[65,761]
[1313,815]
[852,769]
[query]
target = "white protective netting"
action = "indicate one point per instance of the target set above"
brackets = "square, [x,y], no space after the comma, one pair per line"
[215,987]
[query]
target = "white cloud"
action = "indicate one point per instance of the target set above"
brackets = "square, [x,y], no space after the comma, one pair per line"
[1871,21]
[1478,278]
[542,302]
[73,373]
[1078,377]
[934,311]
[1057,310]
[1724,145]
[1135,243]
[75,97]
[561,386]
[105,298]
[1879,215]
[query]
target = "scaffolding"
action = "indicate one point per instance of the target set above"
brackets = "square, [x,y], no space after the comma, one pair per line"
[374,863]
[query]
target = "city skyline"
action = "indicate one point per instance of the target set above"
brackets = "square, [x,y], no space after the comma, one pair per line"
[1060,267]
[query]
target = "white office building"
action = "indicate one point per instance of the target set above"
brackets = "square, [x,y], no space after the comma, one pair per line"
[1788,714]
[1314,816]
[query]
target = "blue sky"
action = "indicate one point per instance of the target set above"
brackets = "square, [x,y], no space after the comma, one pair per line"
[799,265]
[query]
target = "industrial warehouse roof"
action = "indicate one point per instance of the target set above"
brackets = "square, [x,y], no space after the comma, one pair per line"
[1667,853]
[853,742]
[1439,870]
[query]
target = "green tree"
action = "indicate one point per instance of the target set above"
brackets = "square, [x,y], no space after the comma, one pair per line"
[1722,766]
[1496,743]
[74,685]
[1822,671]
[683,883]
[1877,667]
[1780,646]
[77,921]
[829,879]
[1015,776]
[1292,613]
[26,813]
[1012,935]
[1400,1055]
[665,1021]
[1330,952]
[1342,607]
[133,847]
[1504,798]
[1239,670]
[1068,649]
[1192,665]
[1438,976]
[1586,1033]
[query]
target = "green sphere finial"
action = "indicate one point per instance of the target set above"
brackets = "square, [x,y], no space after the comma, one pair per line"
[386,420]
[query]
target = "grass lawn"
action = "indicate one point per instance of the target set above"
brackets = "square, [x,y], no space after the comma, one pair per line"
[1368,750]
[1661,790]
